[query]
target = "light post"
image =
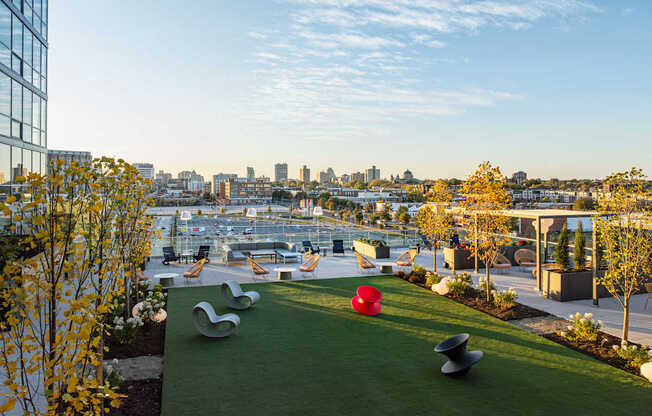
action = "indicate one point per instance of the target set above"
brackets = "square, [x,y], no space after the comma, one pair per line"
[186,216]
[252,213]
[318,212]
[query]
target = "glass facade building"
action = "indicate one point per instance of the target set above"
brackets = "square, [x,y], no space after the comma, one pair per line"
[23,90]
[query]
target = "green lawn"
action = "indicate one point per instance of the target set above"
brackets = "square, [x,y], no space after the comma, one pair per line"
[302,350]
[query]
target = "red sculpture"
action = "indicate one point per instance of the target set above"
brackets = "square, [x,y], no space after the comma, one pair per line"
[367,301]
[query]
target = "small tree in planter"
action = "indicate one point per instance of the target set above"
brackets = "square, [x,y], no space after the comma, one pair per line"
[625,237]
[561,251]
[484,199]
[433,221]
[579,252]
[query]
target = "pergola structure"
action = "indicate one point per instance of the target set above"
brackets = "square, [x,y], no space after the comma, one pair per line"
[539,215]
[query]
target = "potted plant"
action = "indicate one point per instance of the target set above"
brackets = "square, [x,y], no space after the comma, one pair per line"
[376,249]
[564,283]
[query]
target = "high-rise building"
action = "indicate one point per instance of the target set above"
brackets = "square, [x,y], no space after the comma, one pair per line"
[162,178]
[23,90]
[251,176]
[323,177]
[218,179]
[191,176]
[331,174]
[69,156]
[357,177]
[371,174]
[304,174]
[280,172]
[146,170]
[519,177]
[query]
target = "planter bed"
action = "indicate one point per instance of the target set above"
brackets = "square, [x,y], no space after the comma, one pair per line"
[476,300]
[601,350]
[143,398]
[148,341]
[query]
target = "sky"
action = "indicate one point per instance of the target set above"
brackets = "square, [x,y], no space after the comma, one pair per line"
[558,88]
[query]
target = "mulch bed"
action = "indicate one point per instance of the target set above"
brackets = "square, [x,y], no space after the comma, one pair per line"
[148,341]
[143,398]
[600,350]
[475,300]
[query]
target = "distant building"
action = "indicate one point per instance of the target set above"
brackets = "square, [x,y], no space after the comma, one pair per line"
[163,178]
[345,178]
[304,174]
[207,187]
[177,185]
[407,175]
[357,177]
[280,172]
[69,156]
[371,174]
[247,192]
[218,179]
[146,170]
[262,179]
[251,176]
[519,177]
[323,177]
[190,176]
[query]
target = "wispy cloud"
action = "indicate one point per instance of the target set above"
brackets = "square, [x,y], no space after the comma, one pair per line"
[345,69]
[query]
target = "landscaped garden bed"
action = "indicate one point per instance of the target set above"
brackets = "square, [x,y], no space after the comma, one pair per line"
[143,398]
[148,341]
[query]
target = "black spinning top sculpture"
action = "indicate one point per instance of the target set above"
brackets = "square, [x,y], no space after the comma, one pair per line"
[459,359]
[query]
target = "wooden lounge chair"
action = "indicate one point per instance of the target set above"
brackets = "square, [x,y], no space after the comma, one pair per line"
[407,258]
[501,263]
[212,325]
[257,269]
[310,265]
[364,263]
[235,298]
[194,272]
[526,258]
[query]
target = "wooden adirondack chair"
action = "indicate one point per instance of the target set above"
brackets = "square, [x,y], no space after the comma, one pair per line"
[310,265]
[194,271]
[407,259]
[257,269]
[363,262]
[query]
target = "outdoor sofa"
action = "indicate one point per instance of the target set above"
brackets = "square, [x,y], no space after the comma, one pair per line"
[238,252]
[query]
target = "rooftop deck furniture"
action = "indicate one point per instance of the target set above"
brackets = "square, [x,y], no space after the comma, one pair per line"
[285,255]
[310,265]
[338,247]
[169,255]
[257,269]
[407,258]
[212,325]
[525,258]
[364,263]
[308,248]
[235,298]
[367,300]
[194,272]
[648,288]
[238,252]
[271,254]
[166,279]
[501,263]
[386,267]
[370,250]
[459,359]
[284,273]
[202,253]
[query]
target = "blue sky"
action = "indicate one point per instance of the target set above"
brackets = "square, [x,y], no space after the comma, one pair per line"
[559,88]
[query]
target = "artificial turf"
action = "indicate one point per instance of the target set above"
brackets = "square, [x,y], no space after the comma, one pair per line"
[302,350]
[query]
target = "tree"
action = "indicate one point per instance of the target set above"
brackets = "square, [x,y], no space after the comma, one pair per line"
[359,217]
[58,299]
[222,210]
[584,204]
[386,213]
[485,198]
[433,221]
[579,252]
[405,218]
[269,209]
[561,251]
[624,229]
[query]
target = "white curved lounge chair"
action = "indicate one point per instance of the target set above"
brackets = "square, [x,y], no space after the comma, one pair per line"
[212,325]
[237,299]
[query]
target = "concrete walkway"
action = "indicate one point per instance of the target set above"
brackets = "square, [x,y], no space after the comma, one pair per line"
[609,311]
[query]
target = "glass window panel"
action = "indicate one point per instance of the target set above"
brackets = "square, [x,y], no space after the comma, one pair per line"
[16,129]
[44,12]
[44,141]
[17,35]
[27,47]
[27,133]
[16,162]
[27,161]
[28,3]
[5,163]
[27,72]
[43,114]
[37,56]
[5,25]
[36,108]
[16,63]
[36,162]
[44,86]
[5,125]
[5,94]
[37,7]
[44,164]
[27,106]
[44,61]
[28,13]
[5,55]
[17,3]
[16,101]
[36,136]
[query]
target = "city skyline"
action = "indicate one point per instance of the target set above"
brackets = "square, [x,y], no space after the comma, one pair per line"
[553,88]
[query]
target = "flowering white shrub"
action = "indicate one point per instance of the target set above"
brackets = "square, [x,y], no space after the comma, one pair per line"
[111,374]
[583,328]
[153,303]
[125,331]
[504,299]
[634,356]
[482,285]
